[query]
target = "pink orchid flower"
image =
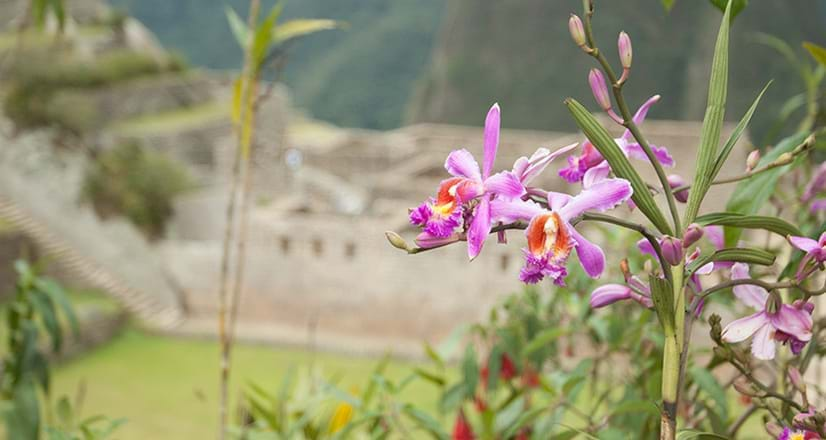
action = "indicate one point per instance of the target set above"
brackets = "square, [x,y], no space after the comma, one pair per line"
[788,434]
[451,210]
[815,253]
[590,158]
[551,237]
[792,324]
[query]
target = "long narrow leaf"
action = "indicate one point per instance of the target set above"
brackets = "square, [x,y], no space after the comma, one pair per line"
[735,135]
[712,122]
[737,255]
[620,165]
[734,219]
[237,26]
[297,28]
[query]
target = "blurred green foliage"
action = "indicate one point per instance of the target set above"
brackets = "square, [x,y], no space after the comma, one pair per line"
[137,183]
[39,75]
[362,76]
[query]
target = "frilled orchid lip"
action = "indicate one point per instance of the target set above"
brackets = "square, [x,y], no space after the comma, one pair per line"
[548,236]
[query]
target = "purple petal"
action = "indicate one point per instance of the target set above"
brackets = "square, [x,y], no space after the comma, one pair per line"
[596,174]
[557,200]
[461,163]
[635,151]
[805,244]
[509,211]
[590,255]
[793,321]
[817,205]
[740,329]
[817,184]
[609,294]
[639,117]
[527,169]
[479,228]
[600,197]
[491,139]
[751,295]
[763,345]
[715,236]
[645,247]
[426,240]
[705,269]
[505,184]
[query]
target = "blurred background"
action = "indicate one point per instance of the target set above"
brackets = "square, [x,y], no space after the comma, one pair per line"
[116,140]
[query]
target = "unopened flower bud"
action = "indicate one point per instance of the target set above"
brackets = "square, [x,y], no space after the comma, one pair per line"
[625,51]
[599,89]
[746,388]
[784,159]
[774,430]
[796,379]
[396,240]
[716,329]
[672,249]
[693,233]
[577,31]
[752,160]
[675,181]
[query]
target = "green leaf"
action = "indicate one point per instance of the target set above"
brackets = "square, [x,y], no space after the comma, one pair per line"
[264,37]
[48,316]
[542,339]
[692,434]
[663,302]
[620,165]
[434,356]
[494,367]
[470,371]
[735,135]
[668,4]
[525,418]
[733,219]
[712,122]
[637,407]
[23,421]
[709,385]
[737,6]
[752,194]
[425,421]
[58,296]
[63,409]
[237,26]
[817,52]
[737,255]
[434,378]
[507,416]
[298,28]
[370,391]
[452,398]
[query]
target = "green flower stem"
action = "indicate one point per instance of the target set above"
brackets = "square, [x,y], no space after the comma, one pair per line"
[628,120]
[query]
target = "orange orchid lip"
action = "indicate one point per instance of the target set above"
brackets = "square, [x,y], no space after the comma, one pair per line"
[548,234]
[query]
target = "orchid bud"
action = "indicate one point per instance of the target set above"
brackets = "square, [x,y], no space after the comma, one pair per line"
[672,249]
[577,31]
[746,388]
[693,233]
[599,89]
[774,430]
[784,159]
[625,50]
[609,294]
[396,240]
[675,181]
[427,241]
[796,379]
[752,160]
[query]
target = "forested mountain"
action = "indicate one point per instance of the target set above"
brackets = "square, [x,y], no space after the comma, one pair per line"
[439,60]
[361,76]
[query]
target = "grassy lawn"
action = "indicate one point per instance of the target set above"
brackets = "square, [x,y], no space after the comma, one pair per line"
[167,387]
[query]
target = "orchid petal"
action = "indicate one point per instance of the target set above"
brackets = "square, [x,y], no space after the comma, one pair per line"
[505,184]
[509,211]
[645,247]
[557,200]
[763,345]
[635,151]
[479,228]
[715,235]
[739,330]
[609,294]
[751,295]
[641,114]
[596,174]
[600,197]
[538,162]
[427,240]
[805,244]
[591,257]
[460,163]
[705,269]
[492,122]
[817,205]
[793,321]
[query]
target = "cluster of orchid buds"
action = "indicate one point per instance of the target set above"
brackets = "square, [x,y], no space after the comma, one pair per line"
[476,202]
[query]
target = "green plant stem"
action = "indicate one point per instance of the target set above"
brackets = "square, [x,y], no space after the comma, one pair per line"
[628,119]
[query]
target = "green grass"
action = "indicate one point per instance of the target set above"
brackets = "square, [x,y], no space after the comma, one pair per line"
[167,387]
